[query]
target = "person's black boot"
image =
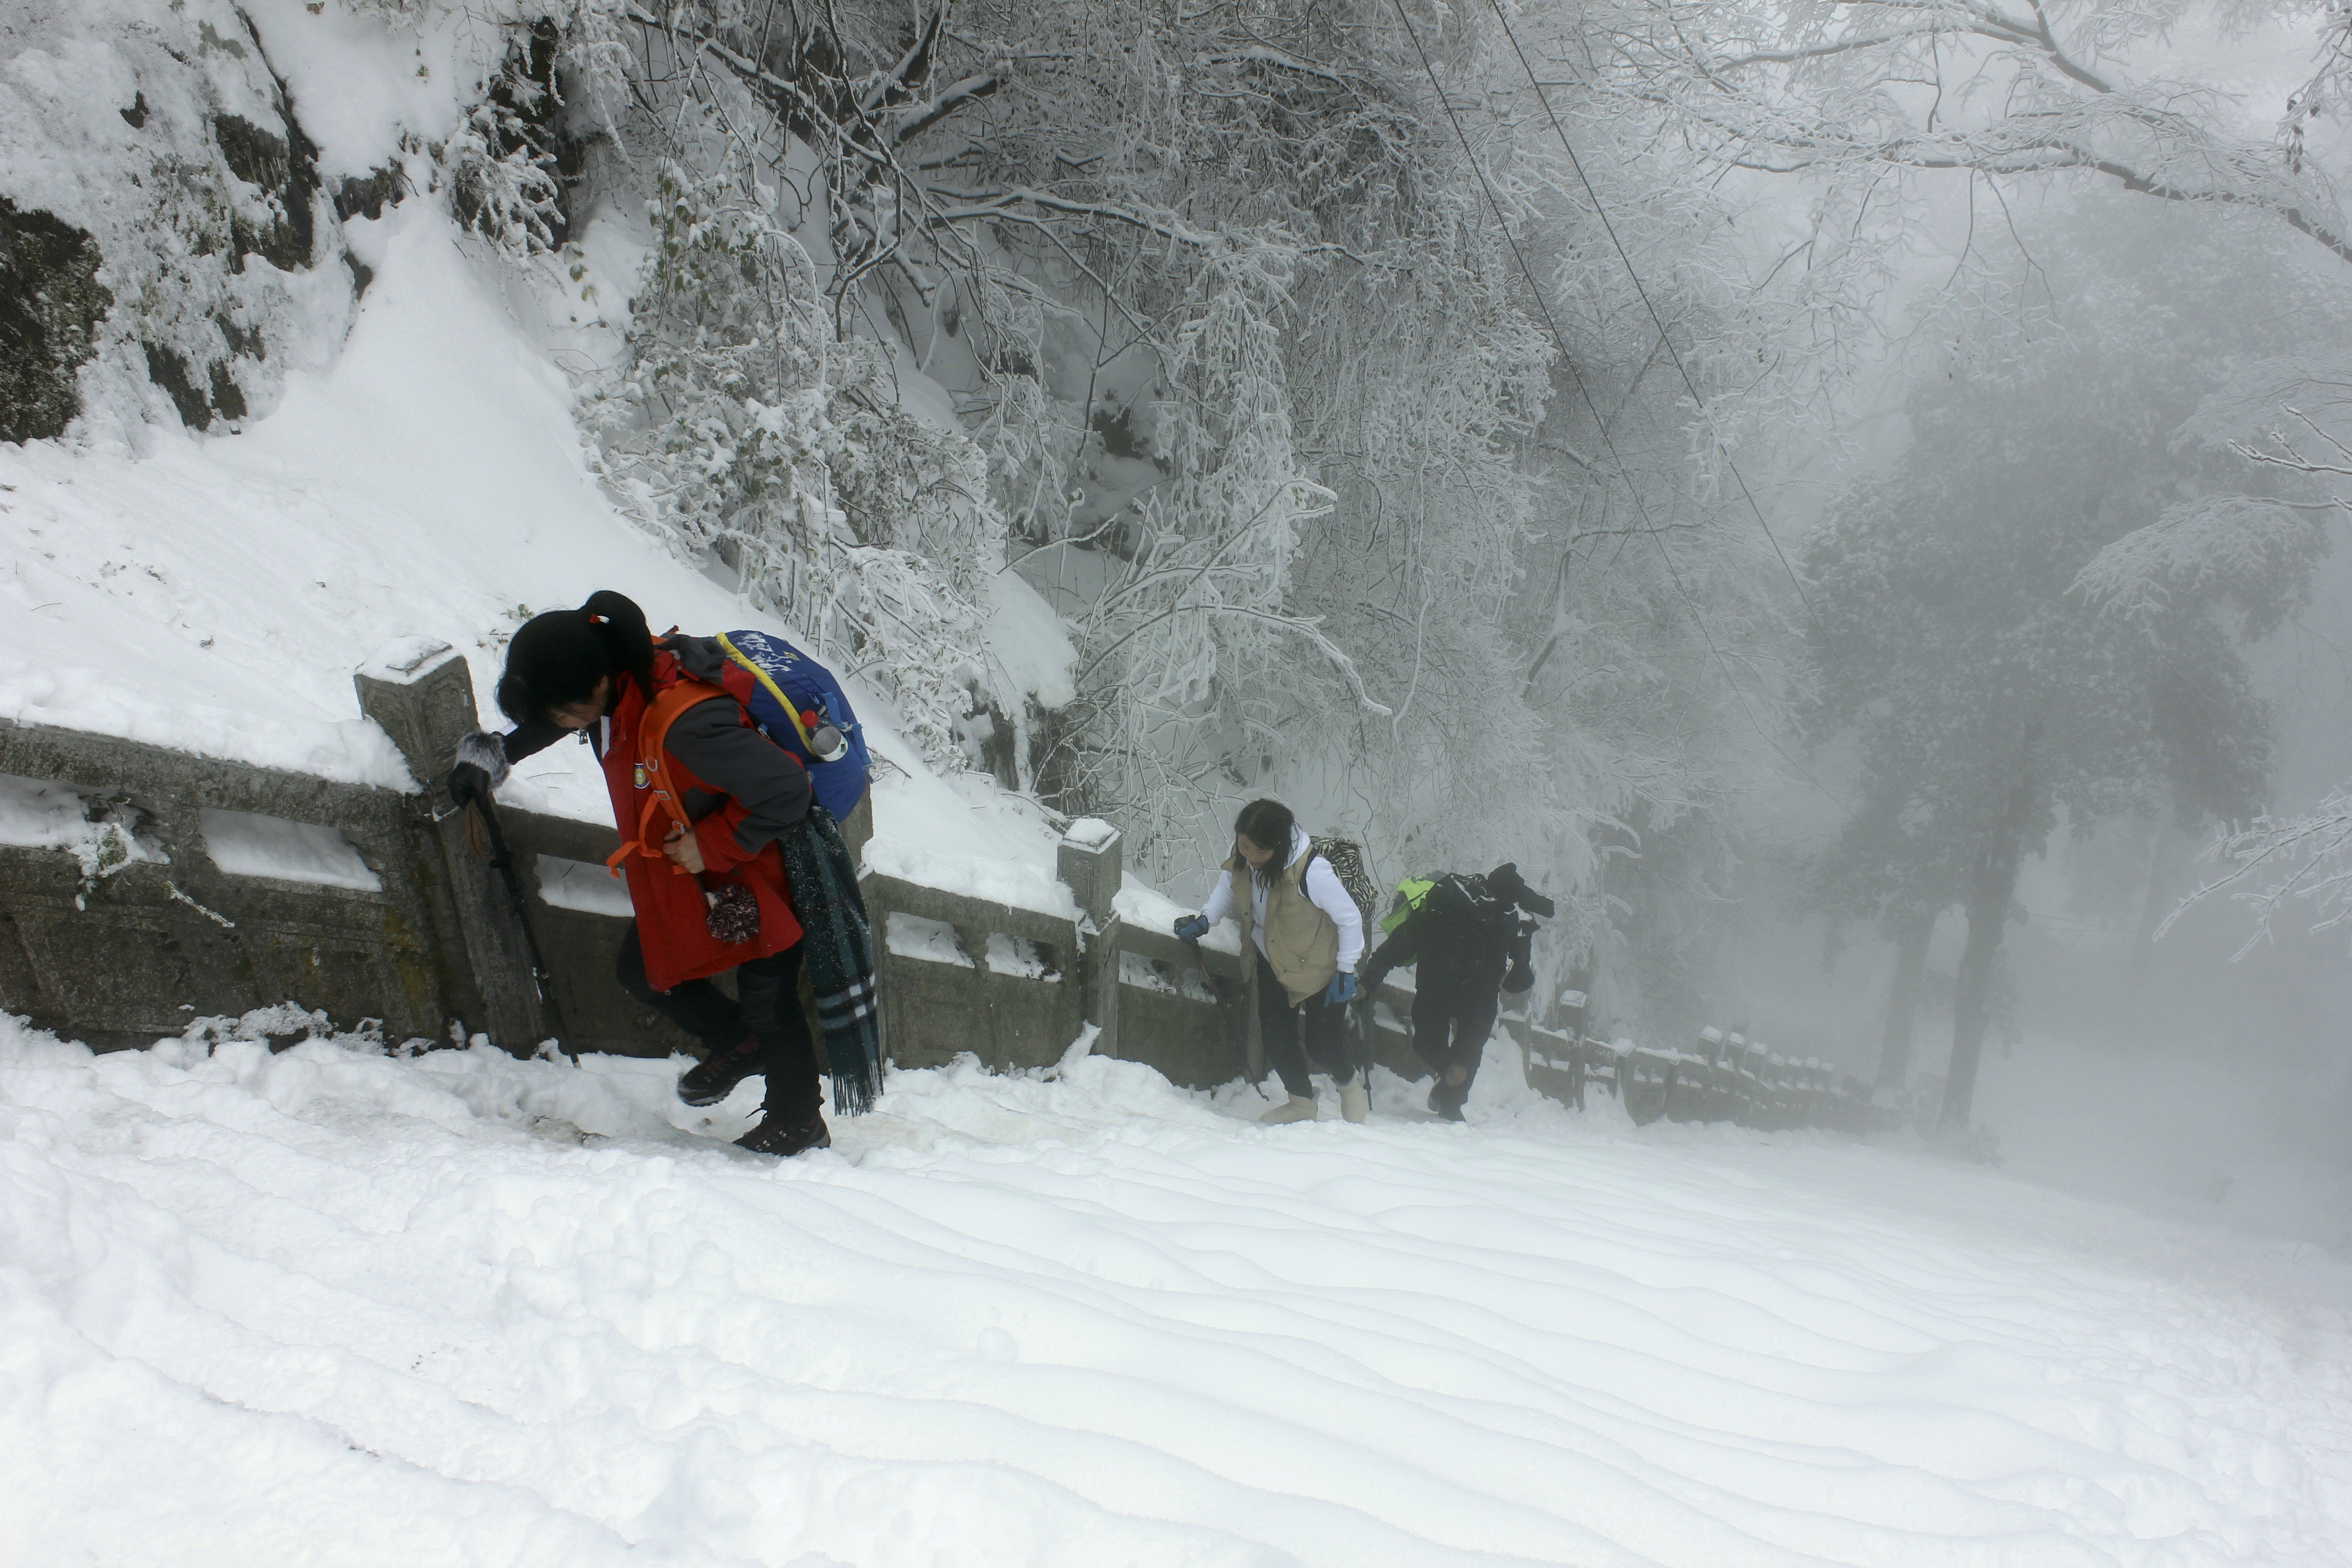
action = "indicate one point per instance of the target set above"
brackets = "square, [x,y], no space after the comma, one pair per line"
[1446,1098]
[714,1077]
[779,1135]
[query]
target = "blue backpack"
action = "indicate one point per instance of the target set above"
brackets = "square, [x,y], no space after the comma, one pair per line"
[792,698]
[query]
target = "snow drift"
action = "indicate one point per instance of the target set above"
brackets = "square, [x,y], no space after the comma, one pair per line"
[331,1305]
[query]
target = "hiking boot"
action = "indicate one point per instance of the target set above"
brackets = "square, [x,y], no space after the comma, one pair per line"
[783,1137]
[1446,1098]
[714,1077]
[1297,1108]
[1355,1099]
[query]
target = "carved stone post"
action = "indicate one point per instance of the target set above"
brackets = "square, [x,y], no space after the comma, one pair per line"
[422,693]
[1089,860]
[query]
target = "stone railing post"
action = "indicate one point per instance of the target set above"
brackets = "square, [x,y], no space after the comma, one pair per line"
[1089,860]
[422,693]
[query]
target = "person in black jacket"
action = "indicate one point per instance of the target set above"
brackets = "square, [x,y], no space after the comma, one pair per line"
[1466,940]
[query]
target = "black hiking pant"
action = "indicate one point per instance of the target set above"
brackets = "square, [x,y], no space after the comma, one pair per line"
[766,1007]
[1293,1034]
[1450,1026]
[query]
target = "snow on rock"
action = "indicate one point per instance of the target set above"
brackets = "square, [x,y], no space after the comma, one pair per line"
[36,815]
[404,661]
[332,1304]
[1017,956]
[576,885]
[1028,642]
[102,837]
[217,596]
[360,82]
[1138,970]
[244,844]
[159,135]
[1140,905]
[934,941]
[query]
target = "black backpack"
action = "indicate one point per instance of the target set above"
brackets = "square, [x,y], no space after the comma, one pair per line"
[1486,927]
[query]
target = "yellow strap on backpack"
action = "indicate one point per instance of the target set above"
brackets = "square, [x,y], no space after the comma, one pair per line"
[791,709]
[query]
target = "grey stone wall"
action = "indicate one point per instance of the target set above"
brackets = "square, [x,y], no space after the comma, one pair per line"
[130,951]
[436,952]
[139,951]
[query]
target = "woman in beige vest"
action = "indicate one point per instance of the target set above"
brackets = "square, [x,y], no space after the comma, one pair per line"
[1296,917]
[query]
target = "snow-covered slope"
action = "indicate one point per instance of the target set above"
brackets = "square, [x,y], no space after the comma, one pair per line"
[330,1307]
[217,595]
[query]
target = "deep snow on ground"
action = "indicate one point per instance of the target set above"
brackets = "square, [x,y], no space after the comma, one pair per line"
[2239,1137]
[331,1306]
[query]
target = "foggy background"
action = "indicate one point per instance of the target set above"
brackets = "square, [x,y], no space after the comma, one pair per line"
[2207,1072]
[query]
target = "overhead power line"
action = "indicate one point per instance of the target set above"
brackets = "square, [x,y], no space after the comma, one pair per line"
[1543,306]
[1656,321]
[1625,256]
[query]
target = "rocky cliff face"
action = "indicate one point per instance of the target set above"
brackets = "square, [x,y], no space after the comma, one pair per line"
[170,244]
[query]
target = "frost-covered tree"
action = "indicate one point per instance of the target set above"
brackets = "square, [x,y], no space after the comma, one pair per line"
[503,168]
[1859,104]
[1284,345]
[1988,697]
[751,434]
[1857,94]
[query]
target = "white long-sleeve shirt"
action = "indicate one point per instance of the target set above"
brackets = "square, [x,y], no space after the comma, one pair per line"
[1323,891]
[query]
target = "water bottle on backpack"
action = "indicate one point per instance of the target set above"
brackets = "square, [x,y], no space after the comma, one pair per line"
[798,704]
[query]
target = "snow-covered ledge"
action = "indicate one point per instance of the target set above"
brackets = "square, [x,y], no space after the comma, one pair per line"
[1088,861]
[420,690]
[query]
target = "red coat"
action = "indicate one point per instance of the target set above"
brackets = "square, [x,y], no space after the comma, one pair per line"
[673,924]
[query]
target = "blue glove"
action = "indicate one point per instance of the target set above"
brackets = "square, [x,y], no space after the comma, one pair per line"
[1192,928]
[1340,992]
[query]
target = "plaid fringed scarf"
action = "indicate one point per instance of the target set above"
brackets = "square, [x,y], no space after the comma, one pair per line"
[837,952]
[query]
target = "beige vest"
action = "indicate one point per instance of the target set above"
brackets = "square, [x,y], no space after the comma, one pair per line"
[1302,944]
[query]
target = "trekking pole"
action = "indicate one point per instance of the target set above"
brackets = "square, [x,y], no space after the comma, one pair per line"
[481,810]
[1240,1036]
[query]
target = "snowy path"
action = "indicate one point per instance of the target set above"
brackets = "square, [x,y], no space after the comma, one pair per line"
[333,1307]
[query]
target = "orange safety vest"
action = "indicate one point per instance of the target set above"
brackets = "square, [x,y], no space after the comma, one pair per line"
[649,787]
[657,783]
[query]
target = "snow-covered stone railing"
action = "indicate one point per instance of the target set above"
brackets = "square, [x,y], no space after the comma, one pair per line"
[1724,1077]
[193,886]
[143,888]
[1015,985]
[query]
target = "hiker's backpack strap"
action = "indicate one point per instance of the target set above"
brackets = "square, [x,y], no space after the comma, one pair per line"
[661,793]
[791,709]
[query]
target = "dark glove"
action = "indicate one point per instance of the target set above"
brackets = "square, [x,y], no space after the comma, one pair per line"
[467,784]
[1518,979]
[1192,928]
[1340,992]
[481,767]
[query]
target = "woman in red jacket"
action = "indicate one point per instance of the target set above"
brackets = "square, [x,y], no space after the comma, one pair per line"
[596,672]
